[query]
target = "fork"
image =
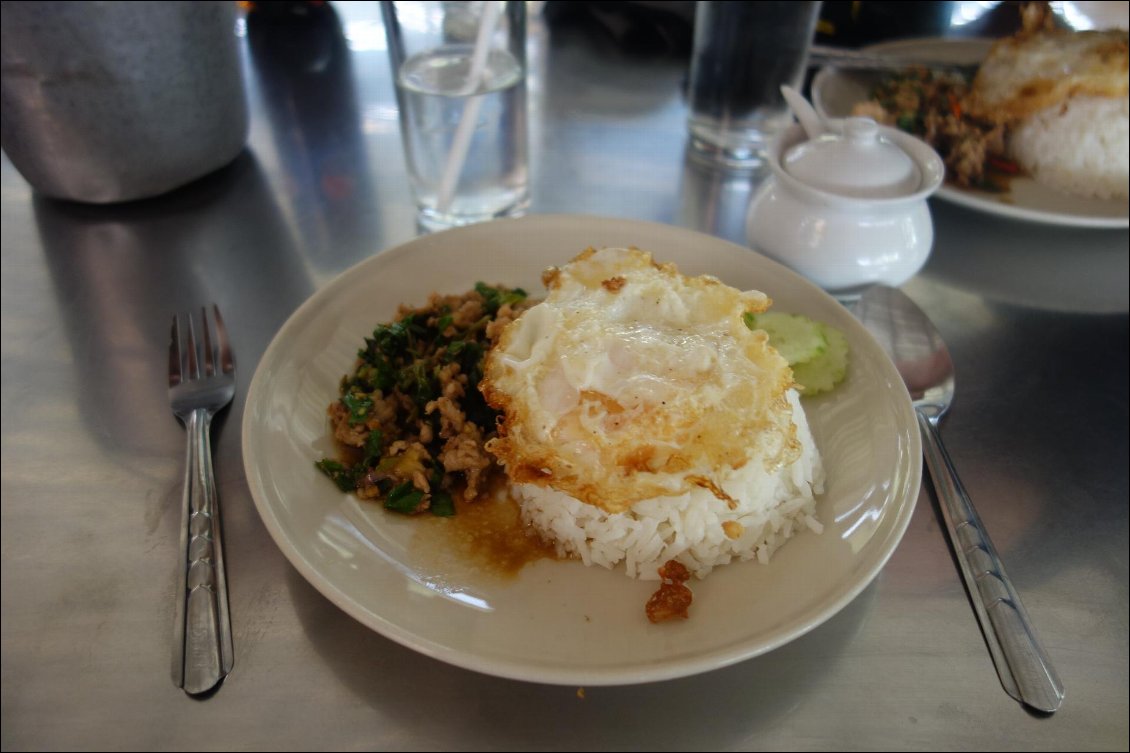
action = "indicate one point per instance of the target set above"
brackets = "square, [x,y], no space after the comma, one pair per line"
[201,383]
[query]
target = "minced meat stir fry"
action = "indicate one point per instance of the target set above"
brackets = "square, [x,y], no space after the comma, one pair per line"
[928,104]
[410,415]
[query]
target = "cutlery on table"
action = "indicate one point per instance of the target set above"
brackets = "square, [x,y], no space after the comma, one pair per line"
[838,57]
[201,383]
[923,361]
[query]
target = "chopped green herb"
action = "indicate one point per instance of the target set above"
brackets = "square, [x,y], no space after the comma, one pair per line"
[404,498]
[442,504]
[909,123]
[374,446]
[359,407]
[496,298]
[341,475]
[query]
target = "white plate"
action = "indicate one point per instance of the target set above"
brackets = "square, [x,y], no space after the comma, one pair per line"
[834,92]
[557,621]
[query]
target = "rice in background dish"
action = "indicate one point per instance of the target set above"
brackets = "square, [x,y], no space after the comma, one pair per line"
[1064,96]
[643,421]
[1081,147]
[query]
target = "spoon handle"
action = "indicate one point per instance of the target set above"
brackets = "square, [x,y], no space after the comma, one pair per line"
[1022,664]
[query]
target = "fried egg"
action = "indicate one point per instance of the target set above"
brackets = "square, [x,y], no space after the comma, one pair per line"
[1030,72]
[632,381]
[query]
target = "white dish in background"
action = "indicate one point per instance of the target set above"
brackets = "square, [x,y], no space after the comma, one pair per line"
[558,621]
[840,231]
[834,92]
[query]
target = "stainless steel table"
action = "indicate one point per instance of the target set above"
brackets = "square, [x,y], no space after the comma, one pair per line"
[1036,318]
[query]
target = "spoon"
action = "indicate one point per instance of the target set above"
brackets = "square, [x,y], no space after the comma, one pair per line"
[810,120]
[924,363]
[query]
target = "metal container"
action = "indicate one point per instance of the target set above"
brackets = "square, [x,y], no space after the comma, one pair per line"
[113,101]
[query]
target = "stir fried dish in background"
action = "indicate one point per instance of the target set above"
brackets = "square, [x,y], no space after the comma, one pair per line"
[929,105]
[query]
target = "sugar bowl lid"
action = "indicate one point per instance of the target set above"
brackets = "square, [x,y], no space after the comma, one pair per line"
[860,163]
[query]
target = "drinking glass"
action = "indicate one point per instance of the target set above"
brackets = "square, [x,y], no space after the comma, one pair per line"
[743,52]
[460,72]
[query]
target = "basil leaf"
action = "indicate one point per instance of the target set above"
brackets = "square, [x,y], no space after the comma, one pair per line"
[404,498]
[442,504]
[359,407]
[374,446]
[342,476]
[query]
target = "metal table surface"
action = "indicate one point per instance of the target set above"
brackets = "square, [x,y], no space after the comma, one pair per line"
[1036,317]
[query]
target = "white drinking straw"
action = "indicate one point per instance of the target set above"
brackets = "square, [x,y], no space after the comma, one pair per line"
[462,141]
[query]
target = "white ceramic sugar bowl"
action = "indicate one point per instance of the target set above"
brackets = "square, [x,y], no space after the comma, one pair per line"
[847,209]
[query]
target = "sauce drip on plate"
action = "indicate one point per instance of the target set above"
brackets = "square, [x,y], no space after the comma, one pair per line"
[488,533]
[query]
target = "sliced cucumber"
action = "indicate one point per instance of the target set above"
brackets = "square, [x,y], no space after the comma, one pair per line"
[829,369]
[797,338]
[817,353]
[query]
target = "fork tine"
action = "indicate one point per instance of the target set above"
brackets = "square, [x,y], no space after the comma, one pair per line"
[174,354]
[190,350]
[227,363]
[209,359]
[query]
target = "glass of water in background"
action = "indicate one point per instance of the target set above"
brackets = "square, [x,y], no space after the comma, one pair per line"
[460,71]
[743,52]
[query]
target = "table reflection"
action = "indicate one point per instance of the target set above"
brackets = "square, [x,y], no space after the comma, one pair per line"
[304,76]
[715,200]
[120,272]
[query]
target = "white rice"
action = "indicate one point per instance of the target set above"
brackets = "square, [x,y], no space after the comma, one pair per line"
[772,507]
[1081,147]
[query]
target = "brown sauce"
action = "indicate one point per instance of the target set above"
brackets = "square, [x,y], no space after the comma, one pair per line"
[489,534]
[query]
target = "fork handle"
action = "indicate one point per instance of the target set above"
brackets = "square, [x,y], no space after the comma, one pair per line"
[202,653]
[1022,664]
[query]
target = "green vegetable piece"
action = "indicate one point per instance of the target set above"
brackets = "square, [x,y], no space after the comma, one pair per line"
[442,504]
[359,407]
[495,298]
[341,475]
[817,353]
[374,446]
[823,373]
[797,338]
[404,499]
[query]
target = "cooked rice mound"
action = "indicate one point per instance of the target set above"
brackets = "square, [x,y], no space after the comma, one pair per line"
[643,421]
[696,528]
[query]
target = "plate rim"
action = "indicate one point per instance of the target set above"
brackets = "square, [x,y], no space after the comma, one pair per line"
[961,197]
[518,669]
